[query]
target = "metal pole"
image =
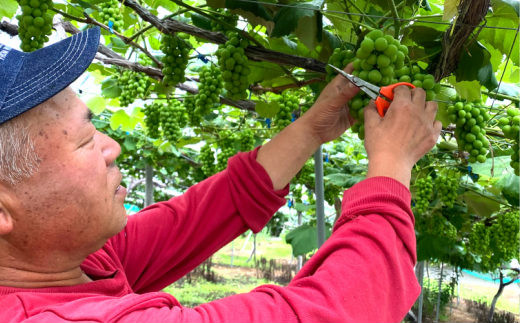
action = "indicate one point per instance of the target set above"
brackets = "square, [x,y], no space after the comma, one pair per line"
[319,188]
[300,257]
[439,295]
[420,276]
[149,185]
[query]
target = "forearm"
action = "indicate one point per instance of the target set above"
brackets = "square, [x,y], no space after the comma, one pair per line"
[287,152]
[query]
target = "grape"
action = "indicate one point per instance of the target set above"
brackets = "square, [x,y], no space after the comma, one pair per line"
[288,102]
[207,159]
[133,85]
[176,50]
[339,58]
[152,113]
[423,193]
[511,129]
[447,188]
[245,139]
[227,149]
[226,16]
[194,119]
[110,12]
[173,119]
[470,118]
[438,226]
[504,235]
[478,240]
[209,90]
[233,63]
[34,24]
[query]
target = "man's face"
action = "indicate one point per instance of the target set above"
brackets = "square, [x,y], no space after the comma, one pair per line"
[74,202]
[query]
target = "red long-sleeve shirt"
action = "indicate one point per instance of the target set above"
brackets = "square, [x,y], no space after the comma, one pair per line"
[363,272]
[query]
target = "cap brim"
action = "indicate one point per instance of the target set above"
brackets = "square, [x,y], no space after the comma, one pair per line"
[49,70]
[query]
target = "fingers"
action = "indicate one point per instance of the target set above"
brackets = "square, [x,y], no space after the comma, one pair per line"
[431,109]
[371,115]
[342,89]
[402,92]
[418,96]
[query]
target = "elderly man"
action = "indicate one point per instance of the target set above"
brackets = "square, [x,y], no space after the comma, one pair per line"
[68,253]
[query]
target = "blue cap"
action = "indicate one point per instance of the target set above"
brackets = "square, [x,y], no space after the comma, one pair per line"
[28,79]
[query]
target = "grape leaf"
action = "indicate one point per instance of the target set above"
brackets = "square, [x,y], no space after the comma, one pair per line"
[474,64]
[481,204]
[8,8]
[200,21]
[286,19]
[468,90]
[450,9]
[109,88]
[304,239]
[510,189]
[96,105]
[267,109]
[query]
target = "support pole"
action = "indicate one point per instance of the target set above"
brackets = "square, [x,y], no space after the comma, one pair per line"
[319,190]
[439,295]
[420,276]
[300,257]
[149,185]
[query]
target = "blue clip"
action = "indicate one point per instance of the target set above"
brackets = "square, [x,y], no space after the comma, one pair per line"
[293,117]
[413,203]
[268,123]
[289,203]
[469,169]
[202,58]
[110,26]
[327,158]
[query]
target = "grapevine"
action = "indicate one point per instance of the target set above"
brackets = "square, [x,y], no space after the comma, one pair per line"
[470,119]
[437,225]
[176,51]
[288,103]
[194,119]
[209,90]
[152,113]
[423,193]
[478,241]
[233,63]
[34,24]
[226,16]
[446,187]
[207,159]
[339,58]
[111,15]
[133,85]
[227,149]
[504,235]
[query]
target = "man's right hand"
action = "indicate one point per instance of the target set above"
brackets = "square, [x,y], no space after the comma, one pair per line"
[407,132]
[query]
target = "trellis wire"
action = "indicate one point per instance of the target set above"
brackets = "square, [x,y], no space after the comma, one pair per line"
[371,16]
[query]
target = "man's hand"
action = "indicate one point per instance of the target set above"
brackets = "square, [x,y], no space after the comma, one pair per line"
[329,116]
[407,132]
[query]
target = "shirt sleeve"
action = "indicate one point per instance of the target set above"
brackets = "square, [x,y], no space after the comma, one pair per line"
[166,240]
[363,272]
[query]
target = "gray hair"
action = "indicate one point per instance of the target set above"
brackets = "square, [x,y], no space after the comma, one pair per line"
[18,158]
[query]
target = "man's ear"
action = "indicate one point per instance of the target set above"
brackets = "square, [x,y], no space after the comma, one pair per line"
[6,218]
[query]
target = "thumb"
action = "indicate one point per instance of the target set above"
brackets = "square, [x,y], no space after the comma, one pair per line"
[342,89]
[372,117]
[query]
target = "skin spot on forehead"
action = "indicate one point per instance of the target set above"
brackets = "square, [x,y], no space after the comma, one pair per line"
[65,132]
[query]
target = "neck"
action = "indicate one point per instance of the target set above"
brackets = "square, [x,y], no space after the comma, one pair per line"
[26,278]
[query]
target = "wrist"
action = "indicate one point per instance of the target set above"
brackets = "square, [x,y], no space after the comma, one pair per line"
[396,169]
[308,129]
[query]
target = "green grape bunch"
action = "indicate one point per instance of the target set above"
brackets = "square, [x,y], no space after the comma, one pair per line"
[510,126]
[504,235]
[133,85]
[479,240]
[173,120]
[210,88]
[233,63]
[288,102]
[111,15]
[152,117]
[446,187]
[423,193]
[437,225]
[207,159]
[225,16]
[246,138]
[176,55]
[35,23]
[470,119]
[339,58]
[194,119]
[227,149]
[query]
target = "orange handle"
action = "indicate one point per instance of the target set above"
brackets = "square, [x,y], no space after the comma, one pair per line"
[388,91]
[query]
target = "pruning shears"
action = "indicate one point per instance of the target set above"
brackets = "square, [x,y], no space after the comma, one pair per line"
[383,96]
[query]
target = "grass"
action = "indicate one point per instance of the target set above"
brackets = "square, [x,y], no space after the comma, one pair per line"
[485,294]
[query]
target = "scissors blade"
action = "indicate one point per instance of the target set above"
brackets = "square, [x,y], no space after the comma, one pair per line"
[369,88]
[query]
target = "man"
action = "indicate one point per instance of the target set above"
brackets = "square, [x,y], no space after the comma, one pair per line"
[68,253]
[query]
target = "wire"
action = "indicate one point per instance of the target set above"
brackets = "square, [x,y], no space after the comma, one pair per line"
[369,16]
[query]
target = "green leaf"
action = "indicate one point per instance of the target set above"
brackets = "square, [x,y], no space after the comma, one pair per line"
[155,43]
[96,105]
[468,90]
[337,179]
[117,45]
[498,164]
[511,189]
[8,8]
[200,21]
[121,119]
[486,77]
[480,204]
[110,88]
[262,71]
[255,8]
[308,30]
[300,207]
[286,19]
[474,64]
[304,239]
[166,4]
[267,109]
[450,9]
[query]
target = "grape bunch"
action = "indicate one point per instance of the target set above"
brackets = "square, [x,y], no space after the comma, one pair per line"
[423,193]
[470,118]
[226,16]
[209,90]
[227,149]
[306,175]
[111,14]
[34,24]
[194,120]
[173,119]
[478,240]
[246,139]
[438,226]
[176,50]
[207,159]
[152,117]
[420,79]
[233,63]
[339,58]
[504,235]
[510,125]
[288,103]
[446,187]
[133,85]
[276,223]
